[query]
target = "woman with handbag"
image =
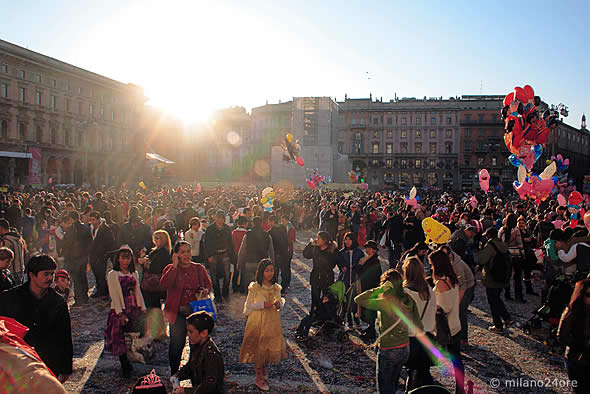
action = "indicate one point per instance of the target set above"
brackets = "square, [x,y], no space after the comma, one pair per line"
[184,282]
[417,288]
[153,265]
[448,324]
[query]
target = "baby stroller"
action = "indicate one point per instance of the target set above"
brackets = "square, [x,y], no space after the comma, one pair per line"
[328,319]
[558,296]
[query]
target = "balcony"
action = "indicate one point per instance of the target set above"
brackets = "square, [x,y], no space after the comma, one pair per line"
[485,122]
[358,126]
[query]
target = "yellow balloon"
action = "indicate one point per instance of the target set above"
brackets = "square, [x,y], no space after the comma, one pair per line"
[435,231]
[289,138]
[142,185]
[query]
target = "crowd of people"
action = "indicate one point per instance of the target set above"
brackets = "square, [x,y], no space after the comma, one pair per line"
[176,247]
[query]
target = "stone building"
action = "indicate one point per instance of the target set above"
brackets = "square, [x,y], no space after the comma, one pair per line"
[402,143]
[62,124]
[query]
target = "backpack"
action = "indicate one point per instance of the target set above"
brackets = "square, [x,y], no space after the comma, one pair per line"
[501,268]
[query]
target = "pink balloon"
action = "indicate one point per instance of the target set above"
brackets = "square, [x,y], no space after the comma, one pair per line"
[473,202]
[310,184]
[411,202]
[523,189]
[561,200]
[484,180]
[198,187]
[300,161]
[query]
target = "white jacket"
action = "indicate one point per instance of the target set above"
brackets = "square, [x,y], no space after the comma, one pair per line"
[117,301]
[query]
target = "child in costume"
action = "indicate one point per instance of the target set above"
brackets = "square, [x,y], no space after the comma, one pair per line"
[263,341]
[61,285]
[126,305]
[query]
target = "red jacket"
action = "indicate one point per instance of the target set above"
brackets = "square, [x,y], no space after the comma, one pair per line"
[174,280]
[238,236]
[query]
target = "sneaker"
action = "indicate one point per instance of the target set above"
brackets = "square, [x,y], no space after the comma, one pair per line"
[497,330]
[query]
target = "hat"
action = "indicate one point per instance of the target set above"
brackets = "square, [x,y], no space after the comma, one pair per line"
[371,244]
[473,229]
[62,274]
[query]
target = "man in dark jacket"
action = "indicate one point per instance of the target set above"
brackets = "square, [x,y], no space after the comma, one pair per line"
[256,245]
[459,243]
[218,245]
[103,241]
[76,246]
[368,270]
[324,254]
[37,306]
[395,229]
[330,221]
[135,233]
[280,243]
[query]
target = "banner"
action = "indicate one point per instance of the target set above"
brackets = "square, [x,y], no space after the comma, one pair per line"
[35,166]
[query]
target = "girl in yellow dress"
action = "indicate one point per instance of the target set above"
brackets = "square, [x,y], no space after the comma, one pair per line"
[263,336]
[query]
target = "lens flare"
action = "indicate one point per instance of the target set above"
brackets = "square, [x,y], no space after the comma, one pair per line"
[234,139]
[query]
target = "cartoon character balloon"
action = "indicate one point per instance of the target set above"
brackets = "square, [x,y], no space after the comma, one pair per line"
[268,198]
[291,149]
[412,200]
[533,186]
[574,206]
[435,231]
[484,180]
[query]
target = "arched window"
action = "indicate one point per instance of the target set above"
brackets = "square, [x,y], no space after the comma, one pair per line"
[38,134]
[52,135]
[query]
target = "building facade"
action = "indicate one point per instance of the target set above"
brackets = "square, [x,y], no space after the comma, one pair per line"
[401,143]
[62,124]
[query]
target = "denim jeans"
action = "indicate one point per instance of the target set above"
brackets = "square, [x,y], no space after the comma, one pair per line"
[177,342]
[389,366]
[220,270]
[497,307]
[465,302]
[77,269]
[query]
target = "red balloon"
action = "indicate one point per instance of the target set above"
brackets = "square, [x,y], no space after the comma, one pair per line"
[520,94]
[530,93]
[300,161]
[509,97]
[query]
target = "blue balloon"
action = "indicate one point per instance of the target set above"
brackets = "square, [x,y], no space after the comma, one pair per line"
[514,160]
[538,150]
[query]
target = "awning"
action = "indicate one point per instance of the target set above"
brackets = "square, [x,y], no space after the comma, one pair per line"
[16,155]
[159,158]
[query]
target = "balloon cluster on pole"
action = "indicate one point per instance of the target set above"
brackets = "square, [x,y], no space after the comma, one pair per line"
[291,149]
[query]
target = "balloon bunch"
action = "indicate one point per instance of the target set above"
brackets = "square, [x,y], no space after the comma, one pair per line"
[364,186]
[522,121]
[354,176]
[574,206]
[291,149]
[142,185]
[535,187]
[484,180]
[562,164]
[412,200]
[268,199]
[315,180]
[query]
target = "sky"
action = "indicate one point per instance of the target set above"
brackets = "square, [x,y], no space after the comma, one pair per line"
[193,57]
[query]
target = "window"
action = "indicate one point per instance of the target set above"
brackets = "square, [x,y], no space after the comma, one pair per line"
[418,120]
[390,120]
[357,135]
[481,161]
[467,117]
[79,107]
[21,131]
[388,148]
[38,134]
[79,90]
[432,147]
[52,135]
[448,147]
[375,134]
[418,133]
[418,163]
[480,133]
[494,161]
[467,161]
[467,146]
[432,133]
[375,120]
[449,133]
[340,147]
[433,120]
[449,120]
[52,103]
[404,163]
[480,116]
[389,133]
[418,147]
[21,74]
[404,134]
[21,94]
[112,115]
[4,90]
[67,137]
[353,121]
[362,121]
[4,68]
[37,78]
[404,147]
[91,109]
[388,163]
[404,121]
[375,148]
[38,98]
[4,129]
[68,105]
[432,163]
[357,148]
[67,86]
[53,83]
[467,132]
